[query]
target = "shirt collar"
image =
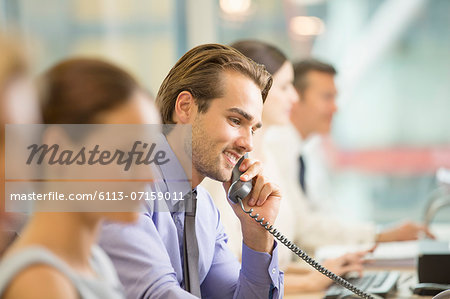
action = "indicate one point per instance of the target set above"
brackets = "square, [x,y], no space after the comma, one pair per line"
[173,173]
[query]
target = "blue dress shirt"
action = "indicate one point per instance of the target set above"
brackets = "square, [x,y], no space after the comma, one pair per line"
[148,255]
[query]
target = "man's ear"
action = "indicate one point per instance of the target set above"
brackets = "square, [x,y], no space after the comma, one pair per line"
[185,108]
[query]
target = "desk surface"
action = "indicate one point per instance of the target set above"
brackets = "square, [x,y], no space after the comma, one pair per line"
[408,279]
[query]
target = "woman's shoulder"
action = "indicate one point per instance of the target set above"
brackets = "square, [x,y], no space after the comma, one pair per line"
[40,281]
[34,272]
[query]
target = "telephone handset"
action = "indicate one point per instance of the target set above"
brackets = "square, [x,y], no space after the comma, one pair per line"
[240,189]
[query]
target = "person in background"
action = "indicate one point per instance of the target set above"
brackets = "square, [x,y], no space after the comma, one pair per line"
[219,93]
[312,114]
[18,104]
[55,255]
[276,111]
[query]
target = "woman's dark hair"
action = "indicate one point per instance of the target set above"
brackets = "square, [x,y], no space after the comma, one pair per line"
[262,53]
[74,91]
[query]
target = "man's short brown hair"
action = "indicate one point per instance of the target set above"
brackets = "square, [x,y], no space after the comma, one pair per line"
[199,72]
[302,69]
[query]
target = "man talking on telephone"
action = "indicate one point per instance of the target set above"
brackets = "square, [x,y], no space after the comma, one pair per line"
[220,93]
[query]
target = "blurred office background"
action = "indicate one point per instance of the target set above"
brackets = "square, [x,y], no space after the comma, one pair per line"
[392,130]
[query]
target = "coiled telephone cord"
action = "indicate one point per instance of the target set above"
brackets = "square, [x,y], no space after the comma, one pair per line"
[294,248]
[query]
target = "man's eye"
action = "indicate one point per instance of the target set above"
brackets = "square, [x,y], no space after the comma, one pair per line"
[236,121]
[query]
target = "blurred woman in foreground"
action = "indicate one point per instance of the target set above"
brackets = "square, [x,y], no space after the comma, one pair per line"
[56,255]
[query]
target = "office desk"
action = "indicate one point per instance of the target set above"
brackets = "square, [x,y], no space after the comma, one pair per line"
[408,279]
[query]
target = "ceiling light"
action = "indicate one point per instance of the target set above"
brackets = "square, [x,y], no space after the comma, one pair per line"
[235,7]
[306,26]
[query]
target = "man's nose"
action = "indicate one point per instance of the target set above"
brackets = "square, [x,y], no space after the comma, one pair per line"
[245,140]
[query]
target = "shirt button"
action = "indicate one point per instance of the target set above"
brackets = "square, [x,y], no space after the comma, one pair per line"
[274,270]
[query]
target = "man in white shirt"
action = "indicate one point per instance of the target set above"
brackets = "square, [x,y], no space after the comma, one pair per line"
[310,116]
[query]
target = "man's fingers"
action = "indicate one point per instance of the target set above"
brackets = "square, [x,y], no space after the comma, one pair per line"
[250,168]
[355,257]
[358,254]
[262,189]
[264,194]
[422,230]
[428,233]
[257,187]
[353,268]
[372,249]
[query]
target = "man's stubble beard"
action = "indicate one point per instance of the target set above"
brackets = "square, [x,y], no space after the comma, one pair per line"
[204,160]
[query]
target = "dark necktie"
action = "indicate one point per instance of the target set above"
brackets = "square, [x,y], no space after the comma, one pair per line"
[190,247]
[302,174]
